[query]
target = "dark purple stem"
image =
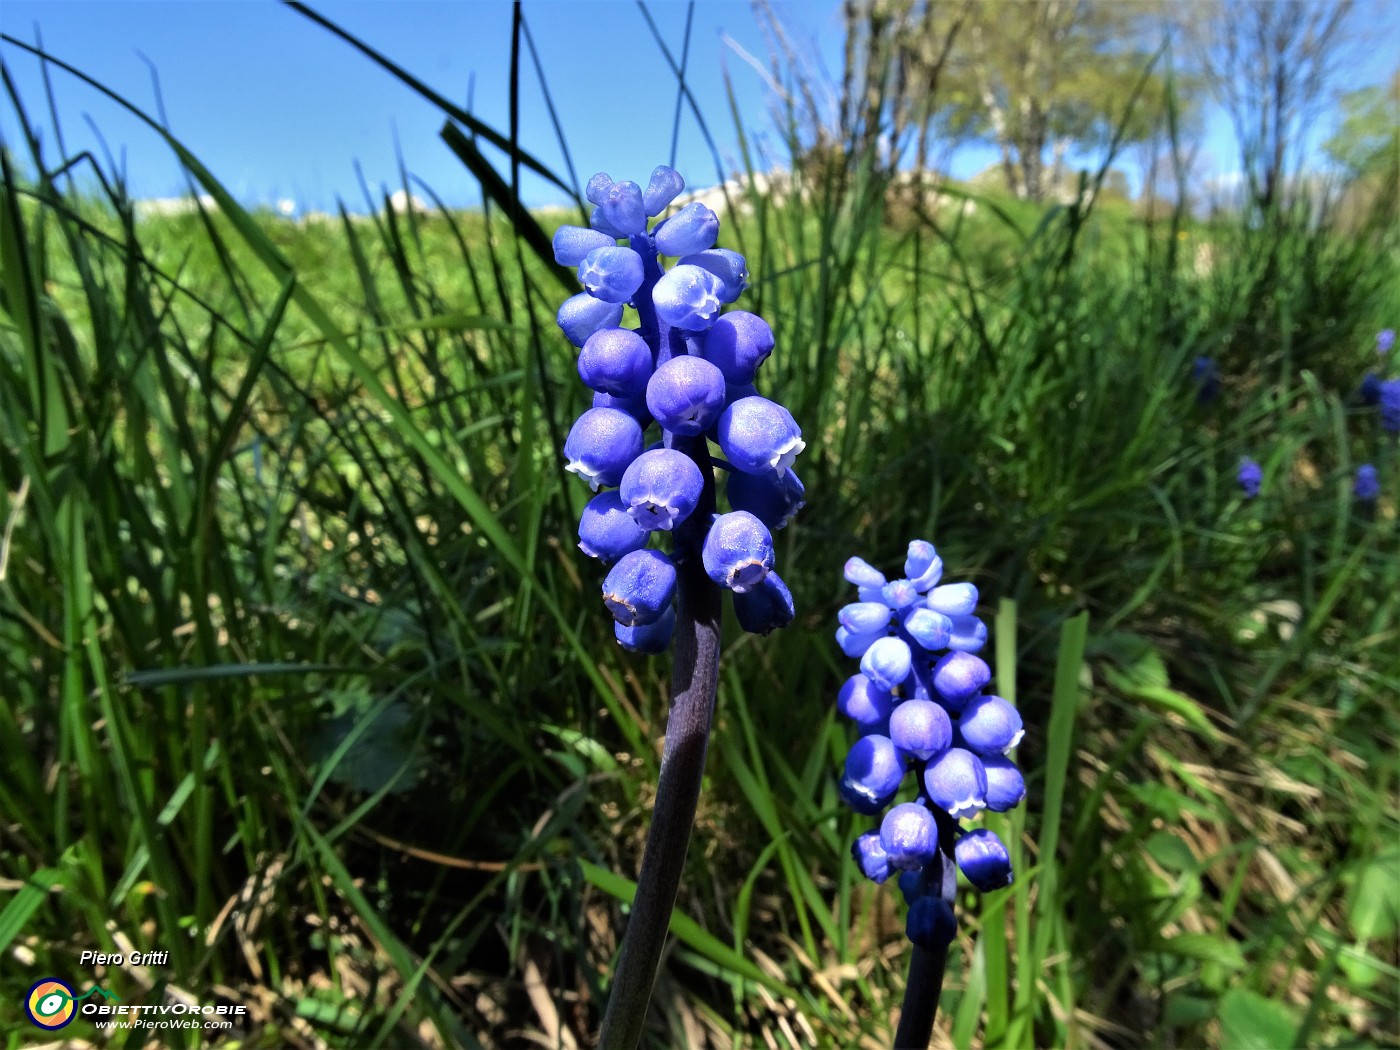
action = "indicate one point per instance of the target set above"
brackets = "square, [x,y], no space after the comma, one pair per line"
[926,965]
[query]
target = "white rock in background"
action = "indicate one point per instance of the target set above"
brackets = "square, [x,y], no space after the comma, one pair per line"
[401,202]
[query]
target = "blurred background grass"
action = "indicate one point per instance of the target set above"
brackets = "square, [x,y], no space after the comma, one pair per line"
[305,682]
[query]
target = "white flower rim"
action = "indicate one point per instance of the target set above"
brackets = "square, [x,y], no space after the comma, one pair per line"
[784,458]
[966,807]
[583,470]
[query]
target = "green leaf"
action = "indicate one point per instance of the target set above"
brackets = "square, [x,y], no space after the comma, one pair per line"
[1138,684]
[1187,1010]
[1206,948]
[26,902]
[1171,852]
[1166,802]
[1138,660]
[598,756]
[162,676]
[1375,899]
[1362,970]
[1248,1021]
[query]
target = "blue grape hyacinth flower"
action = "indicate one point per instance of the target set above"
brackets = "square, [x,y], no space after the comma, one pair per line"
[1366,485]
[1206,375]
[683,375]
[1250,477]
[1385,339]
[922,715]
[1389,399]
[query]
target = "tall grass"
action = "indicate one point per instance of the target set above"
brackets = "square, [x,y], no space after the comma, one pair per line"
[305,683]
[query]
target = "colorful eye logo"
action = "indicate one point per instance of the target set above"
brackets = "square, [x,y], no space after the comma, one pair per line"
[49,1004]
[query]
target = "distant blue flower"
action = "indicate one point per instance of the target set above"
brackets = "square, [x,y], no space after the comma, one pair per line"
[1385,339]
[1390,405]
[1366,486]
[1206,375]
[1369,392]
[1250,477]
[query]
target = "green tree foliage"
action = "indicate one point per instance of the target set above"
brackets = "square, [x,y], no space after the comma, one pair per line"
[1368,139]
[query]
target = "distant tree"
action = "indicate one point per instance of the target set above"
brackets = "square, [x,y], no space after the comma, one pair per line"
[1269,64]
[1037,77]
[896,53]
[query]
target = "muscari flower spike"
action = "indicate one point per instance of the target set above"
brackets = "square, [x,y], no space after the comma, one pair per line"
[1389,398]
[1206,375]
[687,370]
[1369,393]
[1250,477]
[1366,485]
[920,707]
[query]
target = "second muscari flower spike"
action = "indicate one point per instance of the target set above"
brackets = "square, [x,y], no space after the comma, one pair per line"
[920,708]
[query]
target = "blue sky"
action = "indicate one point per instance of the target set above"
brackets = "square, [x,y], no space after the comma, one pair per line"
[278,108]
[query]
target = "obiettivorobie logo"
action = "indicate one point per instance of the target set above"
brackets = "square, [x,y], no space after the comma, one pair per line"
[51,1003]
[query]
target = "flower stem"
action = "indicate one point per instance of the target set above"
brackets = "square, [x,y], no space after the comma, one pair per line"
[694,679]
[926,965]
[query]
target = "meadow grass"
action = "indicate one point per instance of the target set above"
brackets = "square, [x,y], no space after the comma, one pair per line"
[305,682]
